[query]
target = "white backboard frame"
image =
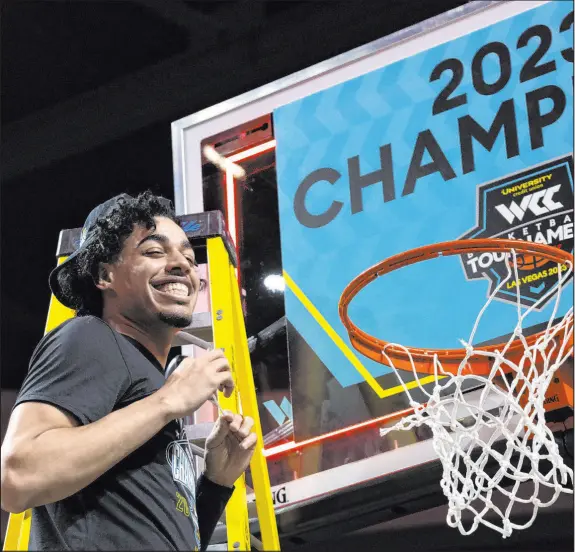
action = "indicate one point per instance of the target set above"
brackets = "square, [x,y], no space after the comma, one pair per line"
[188,132]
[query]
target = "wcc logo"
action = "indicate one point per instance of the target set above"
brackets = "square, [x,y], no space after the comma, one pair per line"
[538,203]
[535,205]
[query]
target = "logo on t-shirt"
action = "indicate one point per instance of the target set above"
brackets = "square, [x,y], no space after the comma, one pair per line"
[182,465]
[184,475]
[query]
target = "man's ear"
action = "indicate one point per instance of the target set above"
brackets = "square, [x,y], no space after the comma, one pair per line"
[105,277]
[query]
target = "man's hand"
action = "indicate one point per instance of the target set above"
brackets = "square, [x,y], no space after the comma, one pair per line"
[229,448]
[194,381]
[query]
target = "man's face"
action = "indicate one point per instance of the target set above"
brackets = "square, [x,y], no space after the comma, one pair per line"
[155,277]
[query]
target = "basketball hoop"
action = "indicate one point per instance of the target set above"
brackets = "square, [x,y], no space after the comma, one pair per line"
[515,374]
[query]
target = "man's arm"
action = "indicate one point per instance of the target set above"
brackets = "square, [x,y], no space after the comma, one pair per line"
[229,450]
[47,456]
[211,501]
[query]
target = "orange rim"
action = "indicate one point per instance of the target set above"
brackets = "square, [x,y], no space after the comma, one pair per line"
[423,359]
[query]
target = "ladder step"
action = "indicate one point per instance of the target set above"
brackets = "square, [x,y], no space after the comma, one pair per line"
[194,340]
[219,536]
[201,327]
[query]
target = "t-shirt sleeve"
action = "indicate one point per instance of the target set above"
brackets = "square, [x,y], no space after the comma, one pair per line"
[78,367]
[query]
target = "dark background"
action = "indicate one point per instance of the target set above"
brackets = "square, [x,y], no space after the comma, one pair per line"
[89,90]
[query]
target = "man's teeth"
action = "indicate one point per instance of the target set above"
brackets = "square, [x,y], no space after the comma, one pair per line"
[174,289]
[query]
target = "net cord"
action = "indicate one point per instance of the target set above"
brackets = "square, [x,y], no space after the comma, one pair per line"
[465,449]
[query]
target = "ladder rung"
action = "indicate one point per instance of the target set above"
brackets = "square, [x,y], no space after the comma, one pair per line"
[221,546]
[195,340]
[219,536]
[256,543]
[201,327]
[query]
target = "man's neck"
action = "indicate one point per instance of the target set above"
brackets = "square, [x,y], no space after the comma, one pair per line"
[157,339]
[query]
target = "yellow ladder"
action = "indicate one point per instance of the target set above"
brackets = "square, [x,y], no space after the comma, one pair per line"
[229,334]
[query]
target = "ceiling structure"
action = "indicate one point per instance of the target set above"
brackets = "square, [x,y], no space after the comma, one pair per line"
[89,90]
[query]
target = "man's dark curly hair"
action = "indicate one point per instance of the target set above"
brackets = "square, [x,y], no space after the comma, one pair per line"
[105,244]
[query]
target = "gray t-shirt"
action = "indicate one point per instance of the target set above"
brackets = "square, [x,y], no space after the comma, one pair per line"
[148,501]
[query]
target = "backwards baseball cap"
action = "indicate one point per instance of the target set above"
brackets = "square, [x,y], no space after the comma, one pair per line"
[86,237]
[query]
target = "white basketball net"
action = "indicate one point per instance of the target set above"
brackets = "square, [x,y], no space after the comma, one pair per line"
[464,433]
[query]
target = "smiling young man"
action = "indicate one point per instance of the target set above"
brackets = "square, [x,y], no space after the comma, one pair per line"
[94,445]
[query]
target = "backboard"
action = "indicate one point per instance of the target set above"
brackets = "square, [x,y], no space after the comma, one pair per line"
[459,127]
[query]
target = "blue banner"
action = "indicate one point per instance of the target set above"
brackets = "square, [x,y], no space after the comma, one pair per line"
[471,138]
